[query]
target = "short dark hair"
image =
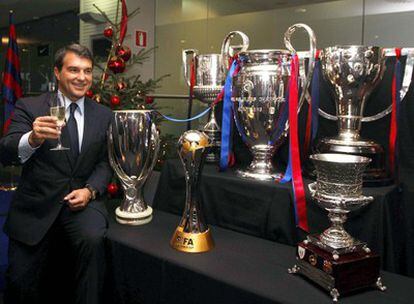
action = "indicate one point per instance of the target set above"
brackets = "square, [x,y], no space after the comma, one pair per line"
[80,50]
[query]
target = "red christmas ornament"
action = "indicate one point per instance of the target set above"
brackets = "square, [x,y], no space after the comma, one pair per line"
[115,100]
[149,99]
[116,65]
[108,32]
[112,189]
[89,93]
[124,52]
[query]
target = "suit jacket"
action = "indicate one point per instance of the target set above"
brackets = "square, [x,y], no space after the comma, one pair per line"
[48,176]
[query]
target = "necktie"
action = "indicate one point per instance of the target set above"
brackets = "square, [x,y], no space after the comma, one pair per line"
[73,131]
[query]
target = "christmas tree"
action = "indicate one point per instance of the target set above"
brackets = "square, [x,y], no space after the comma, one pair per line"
[114,87]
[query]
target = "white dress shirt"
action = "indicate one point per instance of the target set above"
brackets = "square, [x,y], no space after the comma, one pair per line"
[25,150]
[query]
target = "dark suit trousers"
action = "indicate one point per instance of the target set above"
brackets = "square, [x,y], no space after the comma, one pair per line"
[67,266]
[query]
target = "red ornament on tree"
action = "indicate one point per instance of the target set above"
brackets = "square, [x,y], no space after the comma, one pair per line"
[115,100]
[116,65]
[149,99]
[108,32]
[112,189]
[124,52]
[89,93]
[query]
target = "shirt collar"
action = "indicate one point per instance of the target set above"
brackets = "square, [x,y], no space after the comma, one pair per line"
[80,102]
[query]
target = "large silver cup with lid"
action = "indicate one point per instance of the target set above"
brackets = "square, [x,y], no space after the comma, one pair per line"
[259,100]
[353,72]
[133,147]
[209,80]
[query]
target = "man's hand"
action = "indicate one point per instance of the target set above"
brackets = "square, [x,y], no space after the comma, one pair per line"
[44,127]
[78,199]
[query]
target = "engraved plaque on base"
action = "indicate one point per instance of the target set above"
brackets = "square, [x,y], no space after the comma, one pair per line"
[340,274]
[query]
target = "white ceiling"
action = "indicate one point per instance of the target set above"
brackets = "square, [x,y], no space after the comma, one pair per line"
[26,10]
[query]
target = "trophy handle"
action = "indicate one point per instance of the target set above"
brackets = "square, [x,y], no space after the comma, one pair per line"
[228,51]
[151,159]
[312,53]
[119,172]
[312,188]
[408,72]
[185,54]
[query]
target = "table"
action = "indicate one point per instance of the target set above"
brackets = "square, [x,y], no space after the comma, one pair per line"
[240,269]
[265,210]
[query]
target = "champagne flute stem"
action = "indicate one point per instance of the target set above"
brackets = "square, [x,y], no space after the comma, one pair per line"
[59,139]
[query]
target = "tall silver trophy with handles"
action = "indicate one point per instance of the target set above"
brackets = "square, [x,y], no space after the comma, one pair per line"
[133,148]
[209,80]
[259,99]
[334,259]
[353,72]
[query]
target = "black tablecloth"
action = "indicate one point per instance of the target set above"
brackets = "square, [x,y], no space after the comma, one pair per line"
[240,269]
[265,209]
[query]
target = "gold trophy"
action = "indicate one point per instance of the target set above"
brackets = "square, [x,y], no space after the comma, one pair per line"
[192,234]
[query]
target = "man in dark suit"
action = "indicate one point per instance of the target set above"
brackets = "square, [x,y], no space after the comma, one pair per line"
[59,198]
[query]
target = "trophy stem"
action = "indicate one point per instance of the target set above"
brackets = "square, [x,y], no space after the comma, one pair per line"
[133,209]
[193,220]
[133,200]
[261,167]
[349,119]
[212,129]
[213,116]
[335,236]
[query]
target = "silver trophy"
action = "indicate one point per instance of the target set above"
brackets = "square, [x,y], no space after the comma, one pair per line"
[259,99]
[133,148]
[352,73]
[334,259]
[192,234]
[209,80]
[338,189]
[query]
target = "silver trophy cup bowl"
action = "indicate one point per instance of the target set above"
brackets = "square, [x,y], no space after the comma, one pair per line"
[259,100]
[133,148]
[338,190]
[353,72]
[209,79]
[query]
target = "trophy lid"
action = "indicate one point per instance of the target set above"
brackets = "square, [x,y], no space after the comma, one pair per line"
[354,48]
[340,158]
[264,56]
[348,46]
[132,111]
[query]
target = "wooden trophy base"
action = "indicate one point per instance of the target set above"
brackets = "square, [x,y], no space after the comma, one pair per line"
[338,274]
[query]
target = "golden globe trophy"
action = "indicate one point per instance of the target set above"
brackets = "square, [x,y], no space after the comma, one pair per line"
[192,234]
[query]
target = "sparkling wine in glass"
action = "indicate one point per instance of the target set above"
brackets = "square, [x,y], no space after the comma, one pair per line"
[57,110]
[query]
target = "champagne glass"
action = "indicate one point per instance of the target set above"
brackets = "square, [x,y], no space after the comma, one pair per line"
[57,110]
